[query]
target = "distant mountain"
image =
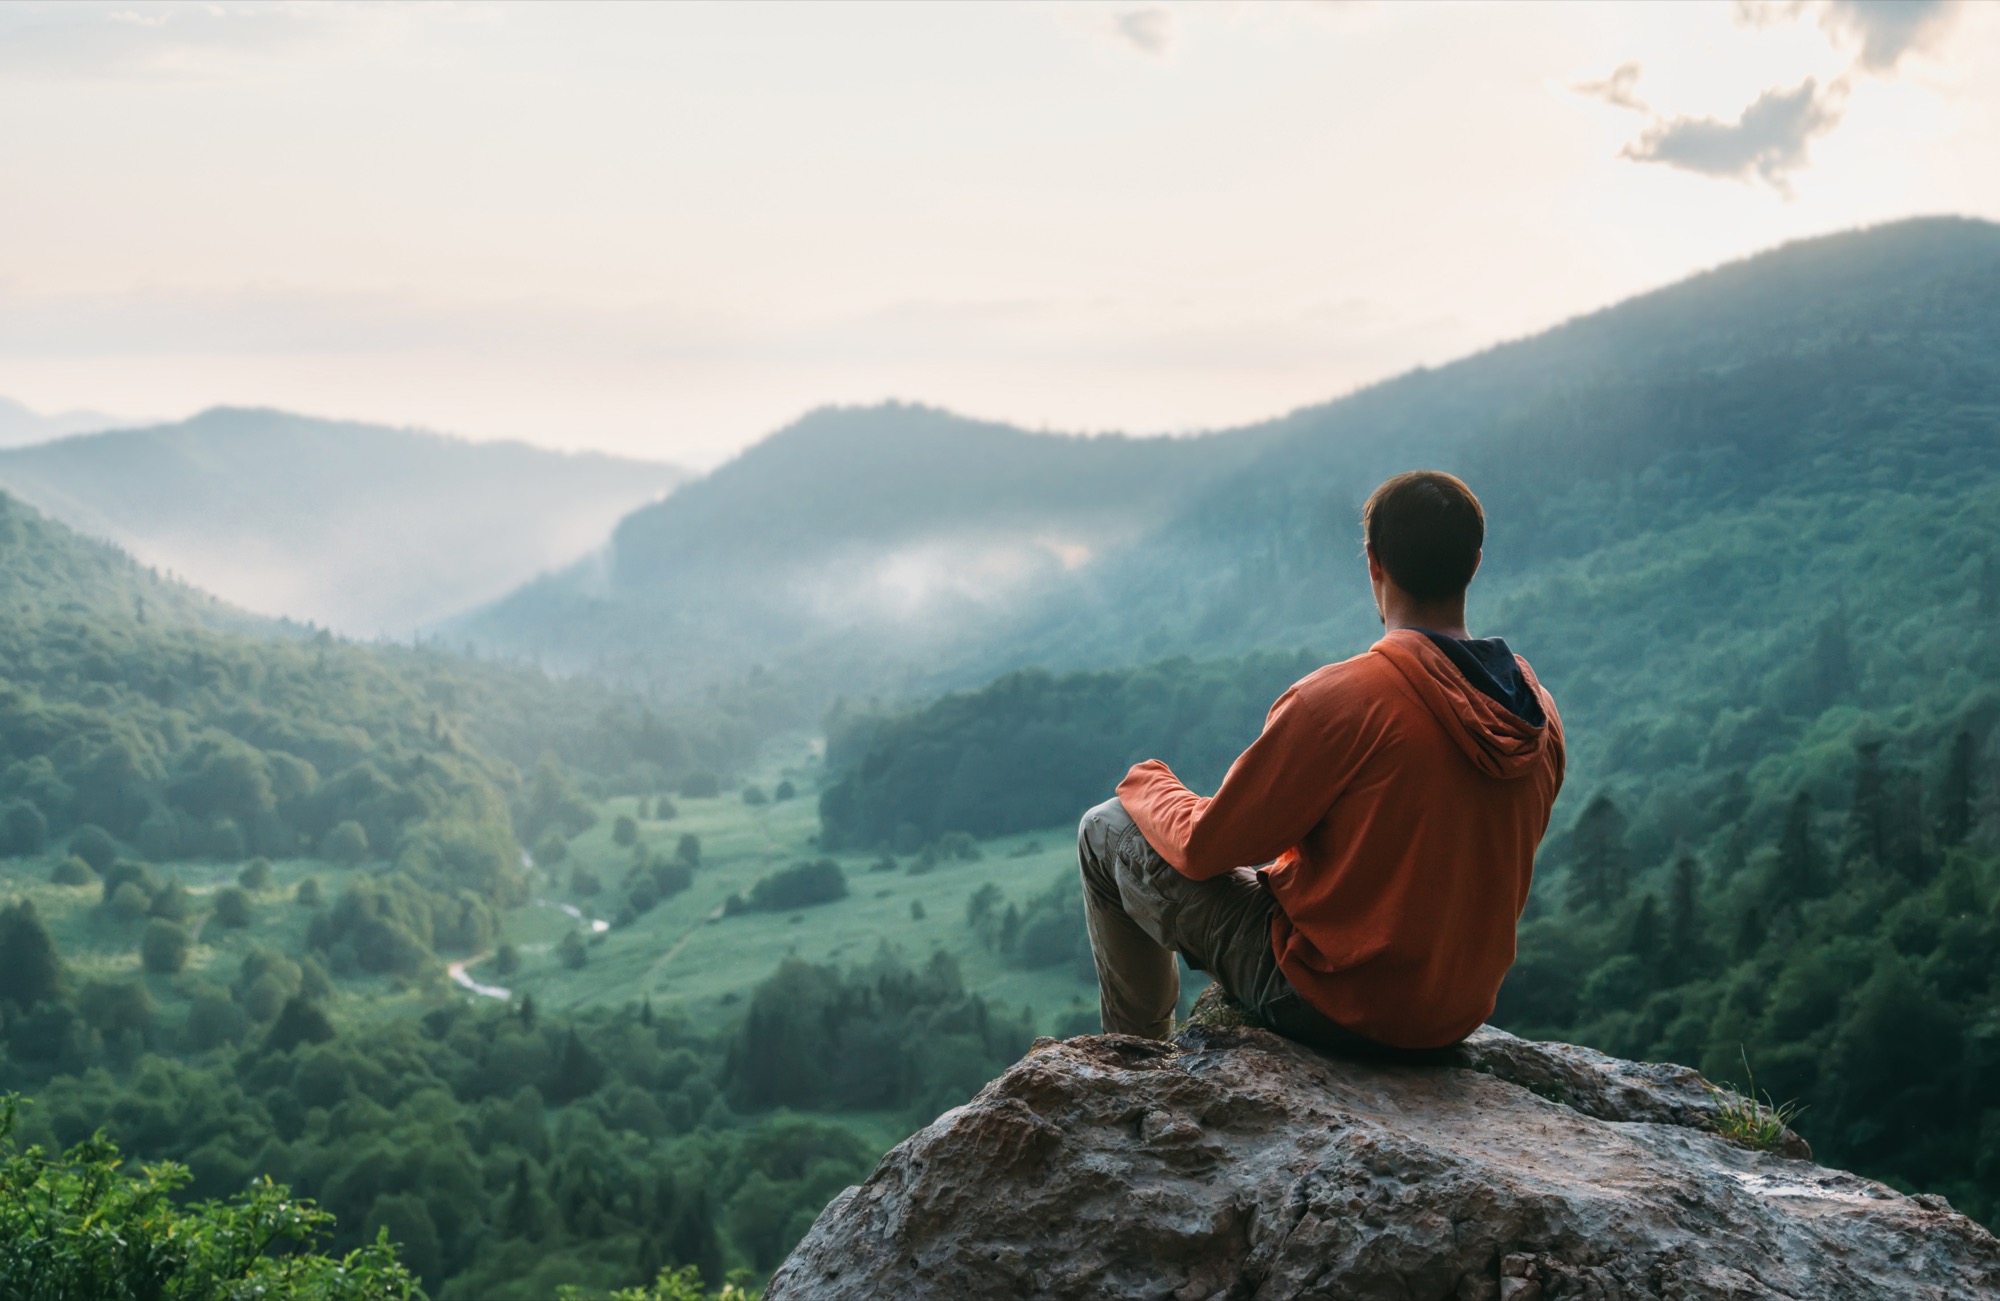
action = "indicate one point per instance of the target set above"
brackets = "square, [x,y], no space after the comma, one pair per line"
[903,549]
[21,425]
[362,528]
[865,540]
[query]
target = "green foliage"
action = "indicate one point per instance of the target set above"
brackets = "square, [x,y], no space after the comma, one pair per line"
[30,969]
[876,1036]
[1033,750]
[255,875]
[232,908]
[800,886]
[625,832]
[164,947]
[73,871]
[78,1225]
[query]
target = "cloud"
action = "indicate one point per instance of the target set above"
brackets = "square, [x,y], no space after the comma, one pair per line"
[1619,89]
[1886,30]
[1151,32]
[1767,141]
[148,39]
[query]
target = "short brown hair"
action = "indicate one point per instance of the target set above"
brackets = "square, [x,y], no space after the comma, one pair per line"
[1426,528]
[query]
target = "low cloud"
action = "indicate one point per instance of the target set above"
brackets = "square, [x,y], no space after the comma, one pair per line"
[1886,30]
[1620,89]
[1151,32]
[1768,141]
[149,39]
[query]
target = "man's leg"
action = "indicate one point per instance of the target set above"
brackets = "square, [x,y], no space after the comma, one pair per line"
[1141,911]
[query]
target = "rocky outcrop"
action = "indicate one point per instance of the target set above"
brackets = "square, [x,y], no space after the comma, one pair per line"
[1234,1164]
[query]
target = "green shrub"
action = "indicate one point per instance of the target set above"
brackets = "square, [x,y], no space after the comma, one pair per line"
[624,832]
[346,842]
[94,846]
[232,908]
[73,871]
[82,1224]
[799,886]
[255,876]
[164,947]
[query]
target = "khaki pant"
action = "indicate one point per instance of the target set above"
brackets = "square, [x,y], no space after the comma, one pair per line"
[1141,912]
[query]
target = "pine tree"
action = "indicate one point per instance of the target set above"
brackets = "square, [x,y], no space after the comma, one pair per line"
[1644,936]
[1800,870]
[578,1072]
[1954,822]
[1863,840]
[521,1218]
[1600,869]
[30,967]
[1832,661]
[1684,942]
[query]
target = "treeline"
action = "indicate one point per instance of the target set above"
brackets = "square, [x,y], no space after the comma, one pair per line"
[506,1152]
[1844,956]
[1035,749]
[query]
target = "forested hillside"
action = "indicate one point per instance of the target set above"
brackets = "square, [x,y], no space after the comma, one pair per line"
[317,520]
[236,863]
[851,548]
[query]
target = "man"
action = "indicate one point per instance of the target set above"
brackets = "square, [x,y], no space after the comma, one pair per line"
[1395,800]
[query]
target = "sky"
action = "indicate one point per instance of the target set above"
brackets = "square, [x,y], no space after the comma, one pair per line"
[667,230]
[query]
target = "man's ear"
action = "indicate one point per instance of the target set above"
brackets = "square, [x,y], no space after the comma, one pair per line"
[1374,566]
[1477,556]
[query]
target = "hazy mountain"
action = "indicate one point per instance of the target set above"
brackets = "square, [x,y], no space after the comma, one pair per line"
[362,528]
[867,548]
[866,539]
[21,425]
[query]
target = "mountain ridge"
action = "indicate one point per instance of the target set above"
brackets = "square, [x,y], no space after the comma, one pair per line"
[316,519]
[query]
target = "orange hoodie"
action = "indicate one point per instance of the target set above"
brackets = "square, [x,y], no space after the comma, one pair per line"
[1403,807]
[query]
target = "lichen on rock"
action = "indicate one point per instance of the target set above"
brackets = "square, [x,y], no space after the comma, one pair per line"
[1232,1164]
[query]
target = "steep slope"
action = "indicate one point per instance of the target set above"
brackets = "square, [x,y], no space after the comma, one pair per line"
[366,529]
[863,540]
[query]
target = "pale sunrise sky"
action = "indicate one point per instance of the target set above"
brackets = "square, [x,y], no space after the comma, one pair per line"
[668,230]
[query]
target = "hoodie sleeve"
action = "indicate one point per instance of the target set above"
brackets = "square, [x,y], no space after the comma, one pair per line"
[1275,792]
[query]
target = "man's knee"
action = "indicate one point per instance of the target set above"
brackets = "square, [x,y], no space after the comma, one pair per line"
[1102,827]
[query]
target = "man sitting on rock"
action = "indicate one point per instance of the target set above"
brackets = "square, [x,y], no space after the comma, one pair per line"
[1395,801]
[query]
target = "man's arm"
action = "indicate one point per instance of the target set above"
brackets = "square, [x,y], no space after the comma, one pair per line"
[1276,791]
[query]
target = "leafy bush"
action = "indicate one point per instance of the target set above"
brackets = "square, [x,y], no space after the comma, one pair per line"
[232,908]
[800,886]
[163,949]
[78,1225]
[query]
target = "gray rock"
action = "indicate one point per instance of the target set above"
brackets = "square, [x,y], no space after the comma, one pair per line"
[1234,1164]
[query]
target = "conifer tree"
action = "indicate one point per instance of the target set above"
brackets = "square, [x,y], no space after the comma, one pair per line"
[1800,870]
[1954,822]
[30,968]
[1600,866]
[1683,937]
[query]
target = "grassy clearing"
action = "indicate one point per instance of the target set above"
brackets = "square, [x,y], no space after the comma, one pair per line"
[683,952]
[98,945]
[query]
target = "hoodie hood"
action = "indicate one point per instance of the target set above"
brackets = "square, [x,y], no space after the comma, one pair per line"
[1498,742]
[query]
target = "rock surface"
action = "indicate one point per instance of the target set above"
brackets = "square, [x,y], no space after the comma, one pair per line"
[1234,1164]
